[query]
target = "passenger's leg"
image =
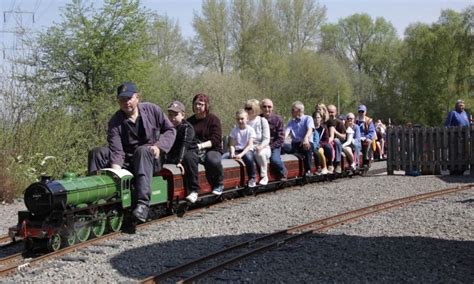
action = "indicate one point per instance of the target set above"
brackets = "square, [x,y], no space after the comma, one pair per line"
[328,154]
[144,165]
[248,159]
[338,148]
[214,169]
[98,158]
[357,151]
[275,161]
[308,157]
[349,155]
[262,161]
[366,151]
[287,149]
[317,160]
[191,172]
[323,158]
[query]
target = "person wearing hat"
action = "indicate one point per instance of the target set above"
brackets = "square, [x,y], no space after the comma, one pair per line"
[367,134]
[458,116]
[184,152]
[137,134]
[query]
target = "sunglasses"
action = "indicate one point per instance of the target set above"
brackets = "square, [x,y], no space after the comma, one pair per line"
[361,111]
[248,108]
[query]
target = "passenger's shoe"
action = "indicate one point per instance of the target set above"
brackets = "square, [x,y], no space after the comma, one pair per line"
[218,190]
[318,172]
[353,167]
[141,213]
[252,183]
[324,171]
[263,181]
[308,174]
[330,169]
[338,170]
[192,197]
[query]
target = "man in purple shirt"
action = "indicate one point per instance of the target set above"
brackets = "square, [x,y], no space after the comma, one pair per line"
[457,117]
[277,137]
[137,133]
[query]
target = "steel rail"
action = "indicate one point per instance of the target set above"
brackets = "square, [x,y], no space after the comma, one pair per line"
[11,268]
[10,258]
[326,223]
[4,239]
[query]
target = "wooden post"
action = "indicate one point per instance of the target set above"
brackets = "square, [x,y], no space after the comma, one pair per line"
[471,151]
[390,150]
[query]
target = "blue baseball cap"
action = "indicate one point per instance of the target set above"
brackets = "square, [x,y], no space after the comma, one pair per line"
[126,89]
[362,108]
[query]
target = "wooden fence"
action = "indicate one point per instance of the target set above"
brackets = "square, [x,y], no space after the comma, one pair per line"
[430,150]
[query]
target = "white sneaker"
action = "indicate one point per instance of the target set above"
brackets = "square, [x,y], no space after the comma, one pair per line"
[330,169]
[353,166]
[218,190]
[192,197]
[338,169]
[252,182]
[324,171]
[263,181]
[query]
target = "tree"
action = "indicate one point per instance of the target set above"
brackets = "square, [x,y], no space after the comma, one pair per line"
[299,22]
[82,58]
[212,35]
[68,89]
[438,66]
[167,45]
[371,49]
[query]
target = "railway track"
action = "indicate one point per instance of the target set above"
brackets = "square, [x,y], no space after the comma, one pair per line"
[5,239]
[206,265]
[18,261]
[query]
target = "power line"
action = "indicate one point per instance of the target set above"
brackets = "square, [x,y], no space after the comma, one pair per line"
[18,13]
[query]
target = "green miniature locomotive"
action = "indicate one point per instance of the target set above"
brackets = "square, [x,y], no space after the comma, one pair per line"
[63,212]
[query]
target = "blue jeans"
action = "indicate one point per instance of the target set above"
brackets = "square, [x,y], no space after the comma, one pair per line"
[338,148]
[277,163]
[248,159]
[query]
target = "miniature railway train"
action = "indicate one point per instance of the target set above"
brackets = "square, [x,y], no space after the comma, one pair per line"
[63,212]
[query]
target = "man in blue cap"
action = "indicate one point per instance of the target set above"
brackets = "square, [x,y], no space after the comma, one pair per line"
[458,116]
[137,134]
[367,134]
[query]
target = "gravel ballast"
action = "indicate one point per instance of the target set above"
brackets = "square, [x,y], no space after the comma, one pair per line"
[430,241]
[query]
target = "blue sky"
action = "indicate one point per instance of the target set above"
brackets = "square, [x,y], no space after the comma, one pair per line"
[400,13]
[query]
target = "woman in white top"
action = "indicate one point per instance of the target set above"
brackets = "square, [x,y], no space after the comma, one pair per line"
[262,140]
[352,140]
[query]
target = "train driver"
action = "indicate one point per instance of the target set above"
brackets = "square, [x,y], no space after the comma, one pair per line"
[137,134]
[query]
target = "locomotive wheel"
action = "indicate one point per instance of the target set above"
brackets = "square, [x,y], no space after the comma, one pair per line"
[54,243]
[115,222]
[70,240]
[98,228]
[29,244]
[83,232]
